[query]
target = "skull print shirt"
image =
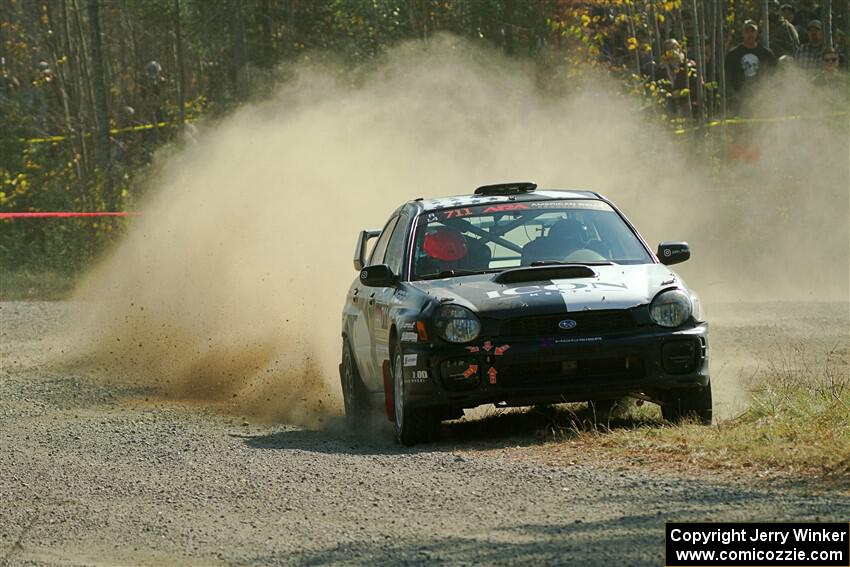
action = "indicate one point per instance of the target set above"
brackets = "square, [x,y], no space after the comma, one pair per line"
[746,65]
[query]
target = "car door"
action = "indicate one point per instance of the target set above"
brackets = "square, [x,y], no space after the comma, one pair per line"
[394,258]
[364,338]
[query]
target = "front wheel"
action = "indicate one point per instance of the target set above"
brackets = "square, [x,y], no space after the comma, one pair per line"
[412,425]
[679,405]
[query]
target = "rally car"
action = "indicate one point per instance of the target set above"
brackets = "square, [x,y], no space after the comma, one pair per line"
[517,296]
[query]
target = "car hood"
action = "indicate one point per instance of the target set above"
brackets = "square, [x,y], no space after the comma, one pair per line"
[612,287]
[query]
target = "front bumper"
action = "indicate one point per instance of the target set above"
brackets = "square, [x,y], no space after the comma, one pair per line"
[646,361]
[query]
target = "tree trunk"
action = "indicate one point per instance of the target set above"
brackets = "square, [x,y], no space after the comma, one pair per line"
[765,24]
[75,71]
[267,41]
[101,112]
[633,33]
[827,23]
[721,66]
[181,97]
[699,44]
[240,52]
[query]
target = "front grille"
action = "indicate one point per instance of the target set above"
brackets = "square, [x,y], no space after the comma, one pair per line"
[682,356]
[586,371]
[586,322]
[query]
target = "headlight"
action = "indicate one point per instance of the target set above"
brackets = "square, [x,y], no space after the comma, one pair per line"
[670,308]
[457,324]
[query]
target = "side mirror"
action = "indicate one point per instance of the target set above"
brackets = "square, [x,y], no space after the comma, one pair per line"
[360,250]
[673,252]
[379,275]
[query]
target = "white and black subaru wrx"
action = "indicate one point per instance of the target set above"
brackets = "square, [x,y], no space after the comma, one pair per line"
[517,296]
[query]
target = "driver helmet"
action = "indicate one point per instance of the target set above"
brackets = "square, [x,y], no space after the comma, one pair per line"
[445,244]
[569,230]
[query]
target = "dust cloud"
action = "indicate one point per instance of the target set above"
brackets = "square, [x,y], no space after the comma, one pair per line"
[229,289]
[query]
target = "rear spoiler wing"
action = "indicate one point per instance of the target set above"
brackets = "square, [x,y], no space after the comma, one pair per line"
[360,251]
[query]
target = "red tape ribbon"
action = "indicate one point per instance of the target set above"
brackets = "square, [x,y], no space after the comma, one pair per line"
[64,215]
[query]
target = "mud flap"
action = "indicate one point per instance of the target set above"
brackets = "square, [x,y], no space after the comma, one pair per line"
[389,403]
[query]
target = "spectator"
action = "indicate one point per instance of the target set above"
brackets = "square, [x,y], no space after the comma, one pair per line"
[807,10]
[810,54]
[789,12]
[784,39]
[746,64]
[677,75]
[832,80]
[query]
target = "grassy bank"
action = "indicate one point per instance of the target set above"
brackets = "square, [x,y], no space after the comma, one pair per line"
[31,285]
[797,424]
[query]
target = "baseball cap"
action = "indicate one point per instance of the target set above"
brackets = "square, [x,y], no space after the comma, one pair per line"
[752,24]
[814,24]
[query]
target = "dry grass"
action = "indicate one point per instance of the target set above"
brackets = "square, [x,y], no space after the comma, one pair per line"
[798,424]
[25,285]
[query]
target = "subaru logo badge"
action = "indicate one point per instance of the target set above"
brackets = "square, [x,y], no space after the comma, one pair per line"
[567,324]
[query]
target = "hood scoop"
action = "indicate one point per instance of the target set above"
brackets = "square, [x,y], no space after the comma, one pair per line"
[542,273]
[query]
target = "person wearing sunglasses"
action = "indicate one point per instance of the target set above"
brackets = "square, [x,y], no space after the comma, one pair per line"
[832,79]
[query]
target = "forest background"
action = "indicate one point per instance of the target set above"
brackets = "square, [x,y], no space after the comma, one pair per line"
[92,90]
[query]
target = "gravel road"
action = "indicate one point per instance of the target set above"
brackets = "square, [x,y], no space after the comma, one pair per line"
[90,474]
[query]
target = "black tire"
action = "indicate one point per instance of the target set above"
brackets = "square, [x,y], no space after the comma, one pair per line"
[602,410]
[354,395]
[412,425]
[681,405]
[607,410]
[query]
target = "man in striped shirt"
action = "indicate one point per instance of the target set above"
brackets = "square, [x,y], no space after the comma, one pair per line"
[810,55]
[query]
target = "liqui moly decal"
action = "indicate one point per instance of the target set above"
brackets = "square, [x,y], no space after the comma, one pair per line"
[559,287]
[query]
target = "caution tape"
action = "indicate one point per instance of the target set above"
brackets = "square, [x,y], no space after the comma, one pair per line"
[139,128]
[65,214]
[765,120]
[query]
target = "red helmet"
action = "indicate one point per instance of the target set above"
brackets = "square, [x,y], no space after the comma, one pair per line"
[445,244]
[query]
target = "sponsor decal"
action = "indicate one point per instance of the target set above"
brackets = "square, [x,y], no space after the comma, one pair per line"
[500,350]
[471,371]
[432,217]
[457,213]
[555,288]
[407,326]
[567,324]
[583,204]
[409,337]
[410,360]
[418,376]
[472,349]
[561,341]
[506,207]
[492,374]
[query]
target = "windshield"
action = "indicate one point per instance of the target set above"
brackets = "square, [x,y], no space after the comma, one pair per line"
[494,237]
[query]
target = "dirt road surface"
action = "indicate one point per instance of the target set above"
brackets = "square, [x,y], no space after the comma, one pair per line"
[91,474]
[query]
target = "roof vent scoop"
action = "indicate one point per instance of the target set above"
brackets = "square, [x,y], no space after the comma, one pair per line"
[507,188]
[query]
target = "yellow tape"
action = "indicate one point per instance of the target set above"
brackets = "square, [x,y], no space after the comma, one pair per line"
[712,124]
[53,139]
[740,120]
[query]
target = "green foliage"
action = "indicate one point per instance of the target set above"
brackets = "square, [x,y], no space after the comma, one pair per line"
[48,119]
